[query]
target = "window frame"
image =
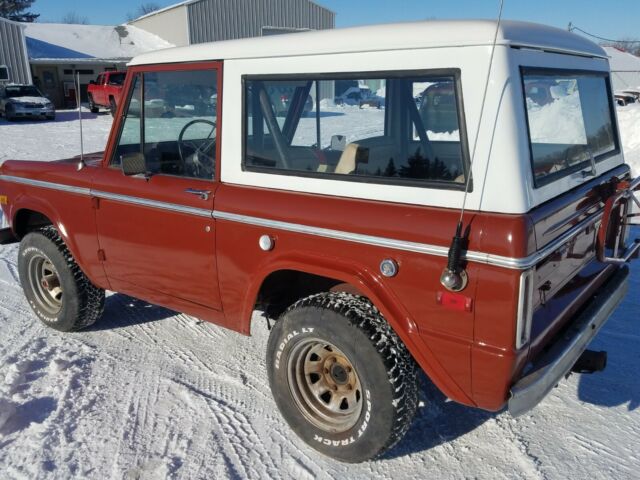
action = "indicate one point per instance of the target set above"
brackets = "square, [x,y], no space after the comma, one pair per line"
[118,126]
[455,73]
[566,72]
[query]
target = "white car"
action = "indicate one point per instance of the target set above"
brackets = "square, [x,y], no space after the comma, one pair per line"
[25,101]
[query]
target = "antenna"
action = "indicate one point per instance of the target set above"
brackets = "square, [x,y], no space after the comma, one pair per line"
[453,277]
[78,98]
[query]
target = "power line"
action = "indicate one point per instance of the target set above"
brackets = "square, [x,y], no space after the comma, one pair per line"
[572,27]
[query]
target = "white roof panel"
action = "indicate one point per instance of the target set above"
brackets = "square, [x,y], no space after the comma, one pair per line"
[397,36]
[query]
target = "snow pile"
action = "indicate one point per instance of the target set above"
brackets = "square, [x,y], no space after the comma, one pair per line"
[629,121]
[560,121]
[54,40]
[625,68]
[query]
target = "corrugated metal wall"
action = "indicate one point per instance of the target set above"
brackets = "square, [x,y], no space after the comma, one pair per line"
[213,20]
[12,52]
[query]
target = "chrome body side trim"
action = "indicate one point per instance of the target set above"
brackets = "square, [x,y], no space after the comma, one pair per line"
[527,392]
[143,202]
[48,185]
[522,263]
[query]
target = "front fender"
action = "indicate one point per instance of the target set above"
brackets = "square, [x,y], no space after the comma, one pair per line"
[79,235]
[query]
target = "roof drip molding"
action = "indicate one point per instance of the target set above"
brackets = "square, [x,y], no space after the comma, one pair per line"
[397,36]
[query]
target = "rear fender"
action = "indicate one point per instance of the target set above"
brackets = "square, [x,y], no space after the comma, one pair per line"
[362,279]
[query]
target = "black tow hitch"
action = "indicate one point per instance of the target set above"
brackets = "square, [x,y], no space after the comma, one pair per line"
[590,362]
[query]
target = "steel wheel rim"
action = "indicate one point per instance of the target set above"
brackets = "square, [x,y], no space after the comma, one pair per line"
[45,284]
[325,386]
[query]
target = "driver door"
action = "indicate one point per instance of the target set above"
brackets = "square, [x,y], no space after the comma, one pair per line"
[156,228]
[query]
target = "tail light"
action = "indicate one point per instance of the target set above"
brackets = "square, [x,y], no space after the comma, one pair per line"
[525,309]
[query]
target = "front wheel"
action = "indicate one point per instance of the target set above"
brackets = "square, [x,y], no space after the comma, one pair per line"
[342,379]
[57,290]
[113,108]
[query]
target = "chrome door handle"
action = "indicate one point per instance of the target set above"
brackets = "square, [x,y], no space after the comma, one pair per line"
[203,194]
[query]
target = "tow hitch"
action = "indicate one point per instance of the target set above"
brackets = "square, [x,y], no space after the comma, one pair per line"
[590,362]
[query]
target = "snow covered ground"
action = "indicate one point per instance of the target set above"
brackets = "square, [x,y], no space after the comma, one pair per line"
[150,394]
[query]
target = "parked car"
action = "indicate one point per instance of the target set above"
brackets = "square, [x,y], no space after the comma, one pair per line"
[625,98]
[339,227]
[25,101]
[633,91]
[359,95]
[106,91]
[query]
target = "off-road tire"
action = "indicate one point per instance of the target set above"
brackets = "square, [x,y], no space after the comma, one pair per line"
[112,106]
[92,106]
[82,303]
[386,371]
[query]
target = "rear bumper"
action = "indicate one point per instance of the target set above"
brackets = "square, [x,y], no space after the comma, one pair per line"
[551,367]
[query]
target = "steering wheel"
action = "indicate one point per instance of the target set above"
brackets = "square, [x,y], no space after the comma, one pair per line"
[201,162]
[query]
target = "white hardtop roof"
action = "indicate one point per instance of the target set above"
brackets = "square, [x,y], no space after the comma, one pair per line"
[397,36]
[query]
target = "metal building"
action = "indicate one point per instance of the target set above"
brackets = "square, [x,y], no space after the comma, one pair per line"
[200,21]
[14,61]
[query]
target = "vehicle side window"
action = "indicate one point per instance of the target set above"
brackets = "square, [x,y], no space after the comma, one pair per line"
[570,121]
[130,133]
[175,123]
[99,79]
[396,129]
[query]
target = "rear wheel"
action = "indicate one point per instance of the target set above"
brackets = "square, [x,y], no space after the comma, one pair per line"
[59,293]
[340,376]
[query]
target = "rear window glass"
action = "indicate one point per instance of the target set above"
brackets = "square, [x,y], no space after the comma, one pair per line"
[403,128]
[570,121]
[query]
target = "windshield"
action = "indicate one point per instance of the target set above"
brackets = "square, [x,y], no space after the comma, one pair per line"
[22,91]
[570,121]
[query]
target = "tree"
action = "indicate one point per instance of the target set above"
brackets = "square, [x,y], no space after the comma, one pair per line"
[143,9]
[15,10]
[630,45]
[74,18]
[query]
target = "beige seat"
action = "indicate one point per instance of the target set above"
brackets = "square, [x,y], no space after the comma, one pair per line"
[348,159]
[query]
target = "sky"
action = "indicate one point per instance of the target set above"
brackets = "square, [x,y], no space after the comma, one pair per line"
[617,19]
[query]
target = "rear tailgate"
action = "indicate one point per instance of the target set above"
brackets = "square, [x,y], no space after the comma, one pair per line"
[571,274]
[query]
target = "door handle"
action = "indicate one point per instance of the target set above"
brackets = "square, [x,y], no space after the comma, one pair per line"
[203,194]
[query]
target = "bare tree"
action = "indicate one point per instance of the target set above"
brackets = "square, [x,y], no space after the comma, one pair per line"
[631,45]
[74,18]
[143,9]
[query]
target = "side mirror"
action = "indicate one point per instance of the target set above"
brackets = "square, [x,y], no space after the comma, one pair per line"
[133,164]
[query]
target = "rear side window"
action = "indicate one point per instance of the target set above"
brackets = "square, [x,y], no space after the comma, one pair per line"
[570,121]
[116,79]
[398,128]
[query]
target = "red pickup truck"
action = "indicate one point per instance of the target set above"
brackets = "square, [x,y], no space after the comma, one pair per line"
[105,91]
[337,223]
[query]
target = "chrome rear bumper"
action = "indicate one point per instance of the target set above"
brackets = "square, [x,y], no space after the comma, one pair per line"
[557,362]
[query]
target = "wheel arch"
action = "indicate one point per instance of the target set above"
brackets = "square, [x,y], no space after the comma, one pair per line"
[345,276]
[32,214]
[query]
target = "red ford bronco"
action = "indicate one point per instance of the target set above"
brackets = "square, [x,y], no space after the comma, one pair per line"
[337,221]
[106,91]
